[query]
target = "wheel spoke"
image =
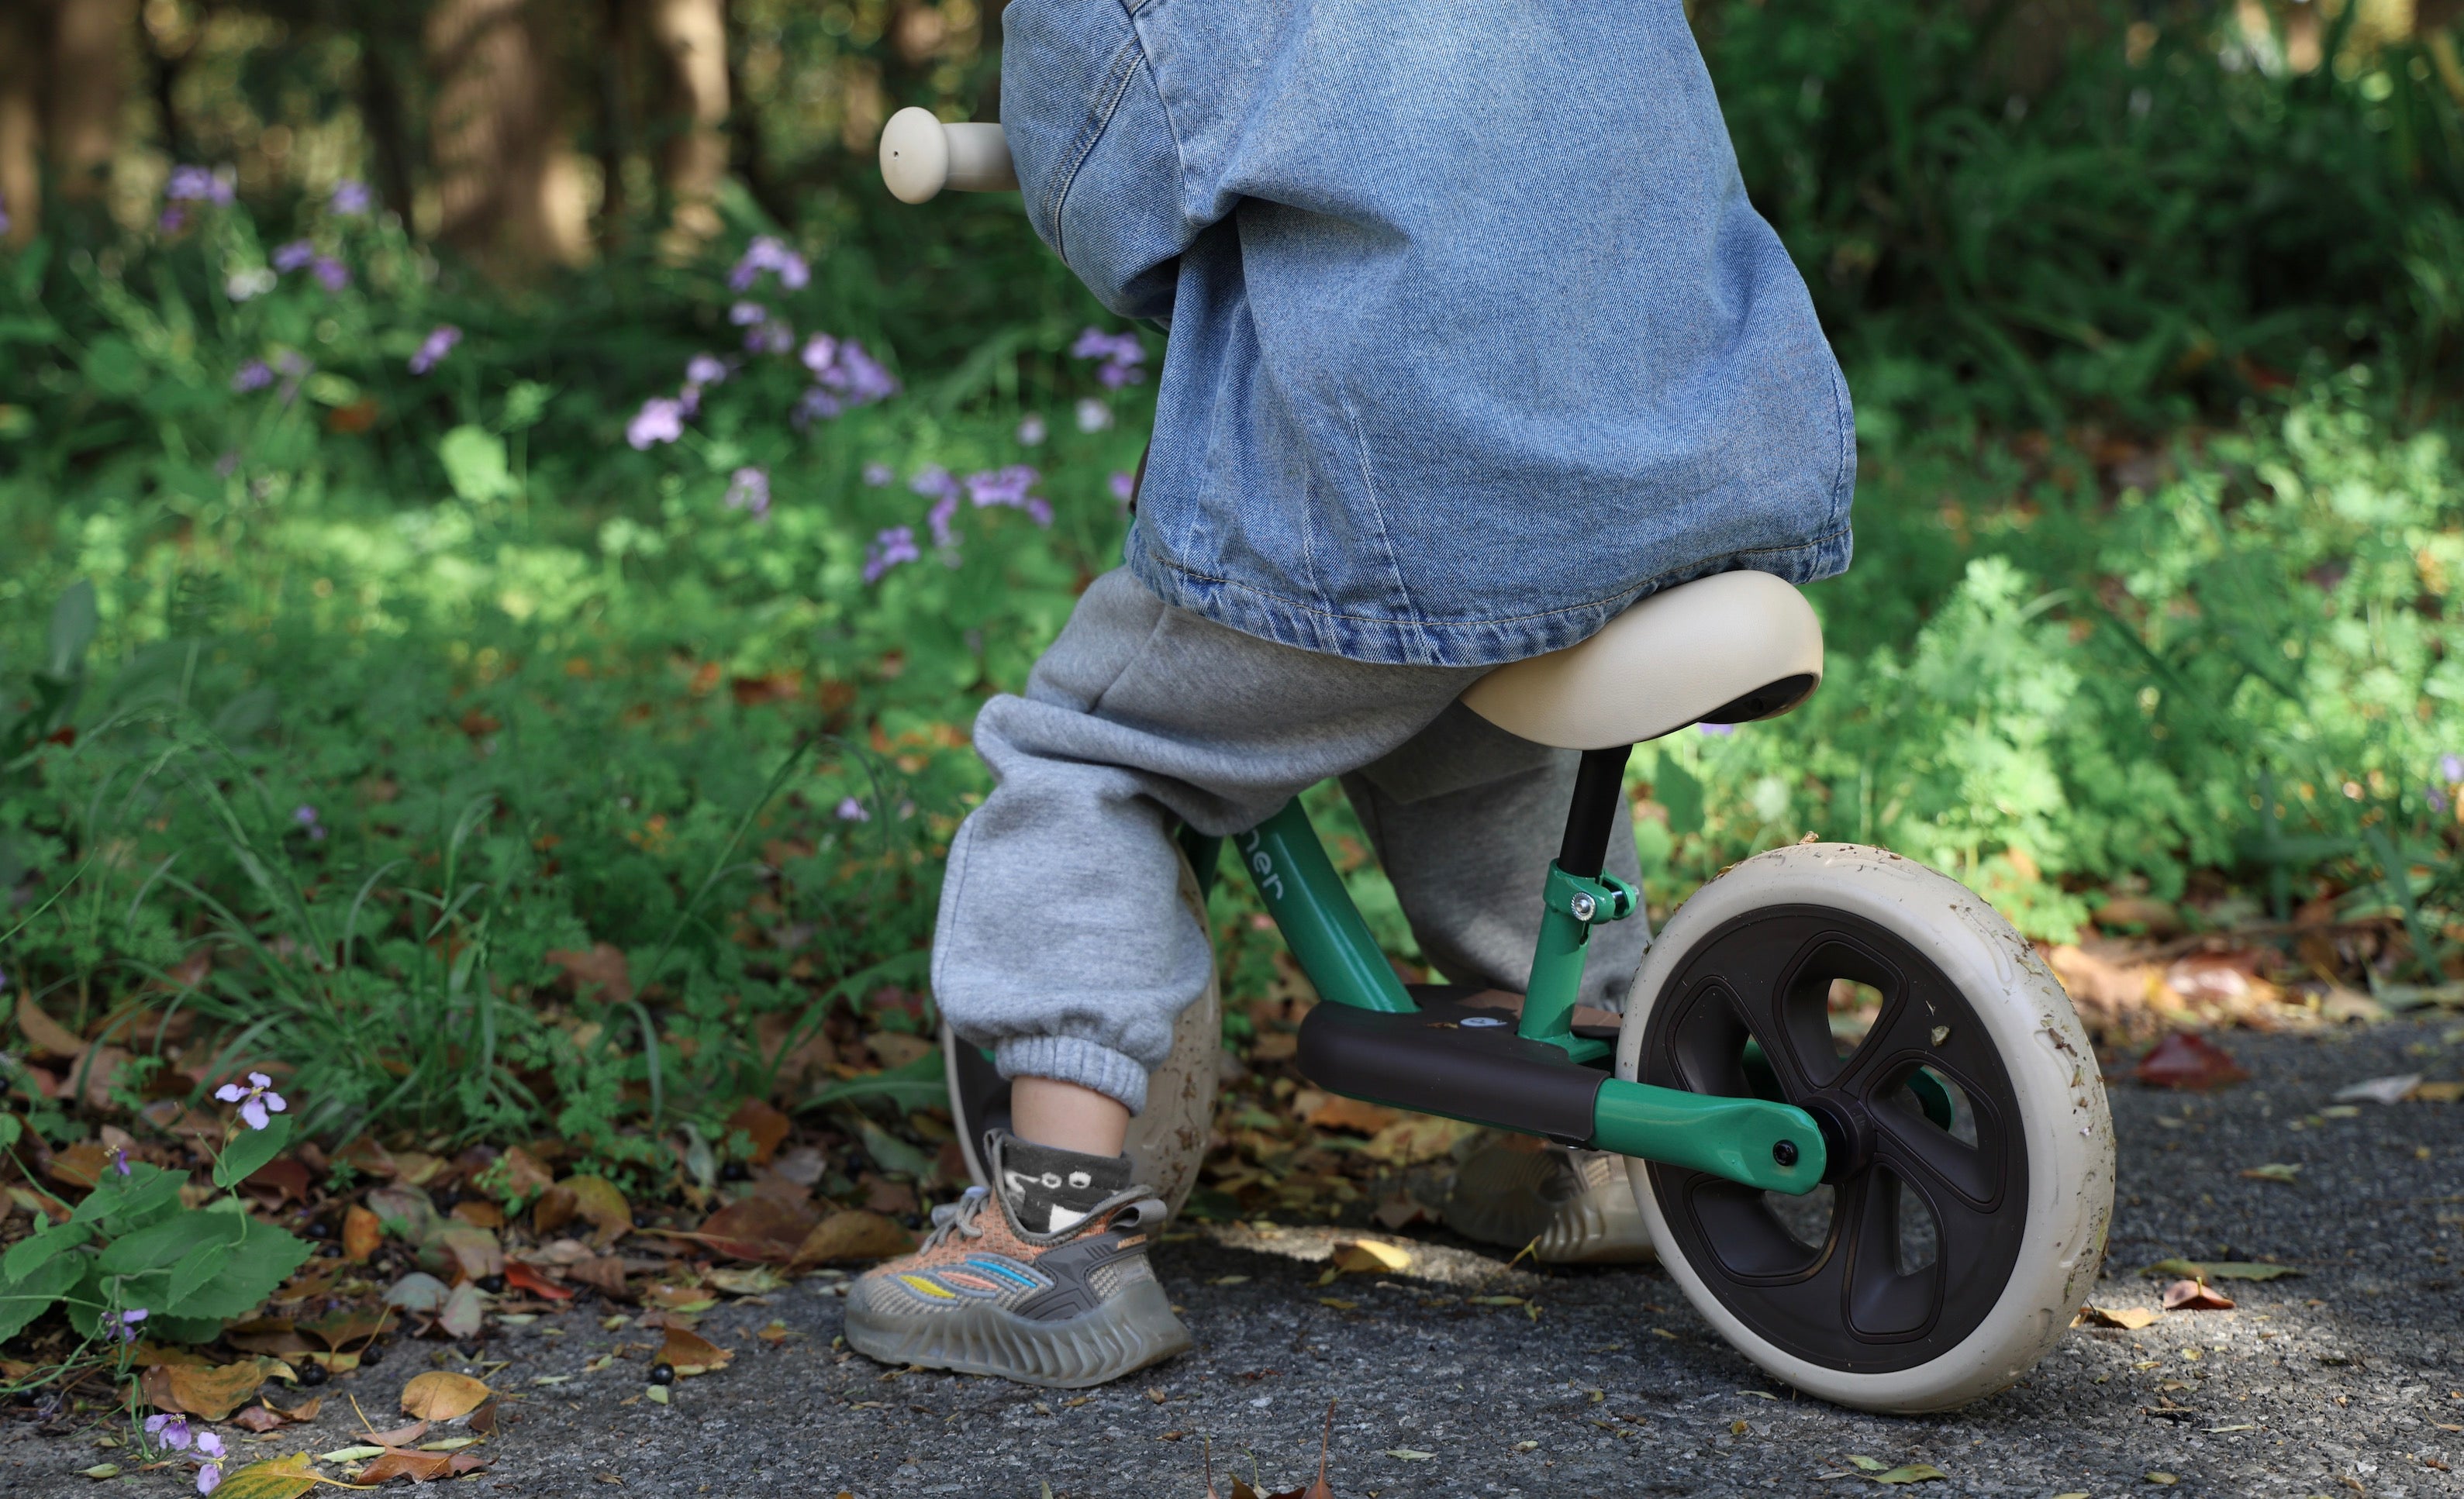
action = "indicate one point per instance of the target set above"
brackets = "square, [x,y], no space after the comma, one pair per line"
[1748,1240]
[1917,1150]
[1882,1302]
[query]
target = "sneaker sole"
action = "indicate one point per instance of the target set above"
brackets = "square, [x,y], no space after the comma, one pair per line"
[1127,1334]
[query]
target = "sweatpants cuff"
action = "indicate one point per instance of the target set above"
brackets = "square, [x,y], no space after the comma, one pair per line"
[1064,1058]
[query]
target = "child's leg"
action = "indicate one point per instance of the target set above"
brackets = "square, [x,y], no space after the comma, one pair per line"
[1466,818]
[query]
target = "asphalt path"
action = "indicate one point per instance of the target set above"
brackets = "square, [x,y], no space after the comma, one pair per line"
[2346,1380]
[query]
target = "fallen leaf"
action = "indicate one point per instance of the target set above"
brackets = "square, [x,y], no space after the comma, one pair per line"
[2380,1090]
[603,968]
[1868,1464]
[449,1444]
[763,1125]
[49,1036]
[440,1396]
[351,1325]
[2132,1318]
[519,1276]
[267,1416]
[850,1234]
[99,1471]
[420,1468]
[277,1478]
[2219,1270]
[417,1292]
[655,1394]
[350,1454]
[1369,1256]
[774,1333]
[1415,1138]
[399,1436]
[2439,1092]
[208,1392]
[287,1180]
[1408,1455]
[2164,1480]
[760,1228]
[758,1281]
[1338,1303]
[1912,1473]
[146,1356]
[2187,1061]
[2190,1295]
[362,1234]
[1400,1212]
[2275,1171]
[463,1250]
[81,1164]
[602,1272]
[593,1199]
[1335,1112]
[465,1311]
[1229,1280]
[1493,1302]
[690,1354]
[479,1213]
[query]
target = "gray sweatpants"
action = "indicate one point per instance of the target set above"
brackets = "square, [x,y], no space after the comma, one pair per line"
[1063,942]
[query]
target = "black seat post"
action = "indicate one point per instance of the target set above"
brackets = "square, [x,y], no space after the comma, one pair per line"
[1598,786]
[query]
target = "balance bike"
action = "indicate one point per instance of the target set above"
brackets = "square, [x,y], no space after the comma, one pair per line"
[1901,1222]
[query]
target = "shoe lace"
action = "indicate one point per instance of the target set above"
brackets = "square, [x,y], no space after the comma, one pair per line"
[963,1217]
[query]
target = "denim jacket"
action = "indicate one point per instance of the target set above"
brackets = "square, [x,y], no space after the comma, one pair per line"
[1475,339]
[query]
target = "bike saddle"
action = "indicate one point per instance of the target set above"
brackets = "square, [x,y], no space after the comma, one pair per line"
[1725,649]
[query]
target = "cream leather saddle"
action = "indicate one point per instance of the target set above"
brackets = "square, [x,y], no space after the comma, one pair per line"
[1725,649]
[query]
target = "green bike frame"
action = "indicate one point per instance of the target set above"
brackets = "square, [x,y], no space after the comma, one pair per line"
[1774,1146]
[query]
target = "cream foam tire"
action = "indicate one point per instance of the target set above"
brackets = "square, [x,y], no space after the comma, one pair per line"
[1167,1138]
[2064,1126]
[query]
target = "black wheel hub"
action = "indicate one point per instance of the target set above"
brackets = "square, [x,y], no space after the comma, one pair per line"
[1921,1229]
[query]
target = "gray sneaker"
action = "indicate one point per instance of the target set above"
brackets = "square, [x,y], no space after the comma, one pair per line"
[1578,1203]
[1074,1307]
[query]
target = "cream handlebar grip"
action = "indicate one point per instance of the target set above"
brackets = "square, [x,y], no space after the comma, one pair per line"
[921,155]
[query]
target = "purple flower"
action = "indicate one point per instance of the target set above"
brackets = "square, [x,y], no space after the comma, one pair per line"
[1124,357]
[744,315]
[257,1101]
[659,421]
[2436,798]
[1717,731]
[291,257]
[433,348]
[254,375]
[820,352]
[171,1430]
[769,254]
[2450,768]
[197,185]
[5,220]
[1032,431]
[705,369]
[352,197]
[1093,415]
[878,475]
[943,511]
[120,1160]
[933,480]
[861,376]
[894,545]
[769,336]
[124,1329]
[816,405]
[332,273]
[1124,485]
[172,221]
[689,400]
[853,810]
[209,1477]
[306,816]
[748,488]
[1038,510]
[1003,486]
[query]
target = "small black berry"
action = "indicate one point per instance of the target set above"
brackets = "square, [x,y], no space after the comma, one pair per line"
[312,1374]
[493,1284]
[373,1354]
[735,1171]
[662,1374]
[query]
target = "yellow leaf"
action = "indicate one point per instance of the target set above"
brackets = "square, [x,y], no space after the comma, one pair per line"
[690,1352]
[1369,1256]
[1408,1455]
[2164,1480]
[1868,1464]
[2130,1318]
[1494,1301]
[658,1394]
[277,1478]
[350,1454]
[440,1396]
[852,1234]
[1912,1473]
[1339,1304]
[2274,1171]
[594,1200]
[101,1471]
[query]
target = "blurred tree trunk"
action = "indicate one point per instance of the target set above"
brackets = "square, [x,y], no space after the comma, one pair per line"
[616,110]
[90,42]
[24,34]
[691,41]
[508,187]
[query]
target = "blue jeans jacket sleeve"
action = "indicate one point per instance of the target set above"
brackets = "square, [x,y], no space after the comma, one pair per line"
[1096,159]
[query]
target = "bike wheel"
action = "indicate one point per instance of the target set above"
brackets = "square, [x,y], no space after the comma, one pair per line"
[1167,1138]
[1962,1212]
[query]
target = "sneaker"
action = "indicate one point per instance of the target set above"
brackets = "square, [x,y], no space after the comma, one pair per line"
[1045,1281]
[1578,1204]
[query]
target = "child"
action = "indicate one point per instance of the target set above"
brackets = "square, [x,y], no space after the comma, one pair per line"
[1475,341]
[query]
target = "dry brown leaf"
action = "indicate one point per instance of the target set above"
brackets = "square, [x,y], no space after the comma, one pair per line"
[1415,1138]
[604,1272]
[205,1391]
[2438,1093]
[269,1417]
[352,1325]
[399,1436]
[49,1036]
[849,1234]
[2190,1295]
[688,1353]
[592,1199]
[442,1396]
[525,1176]
[420,1468]
[362,1234]
[765,1126]
[603,968]
[463,1250]
[479,1213]
[147,1355]
[2130,1318]
[81,1164]
[1352,1113]
[758,1227]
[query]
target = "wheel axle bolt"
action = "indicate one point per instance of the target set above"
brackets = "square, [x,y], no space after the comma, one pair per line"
[1785,1153]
